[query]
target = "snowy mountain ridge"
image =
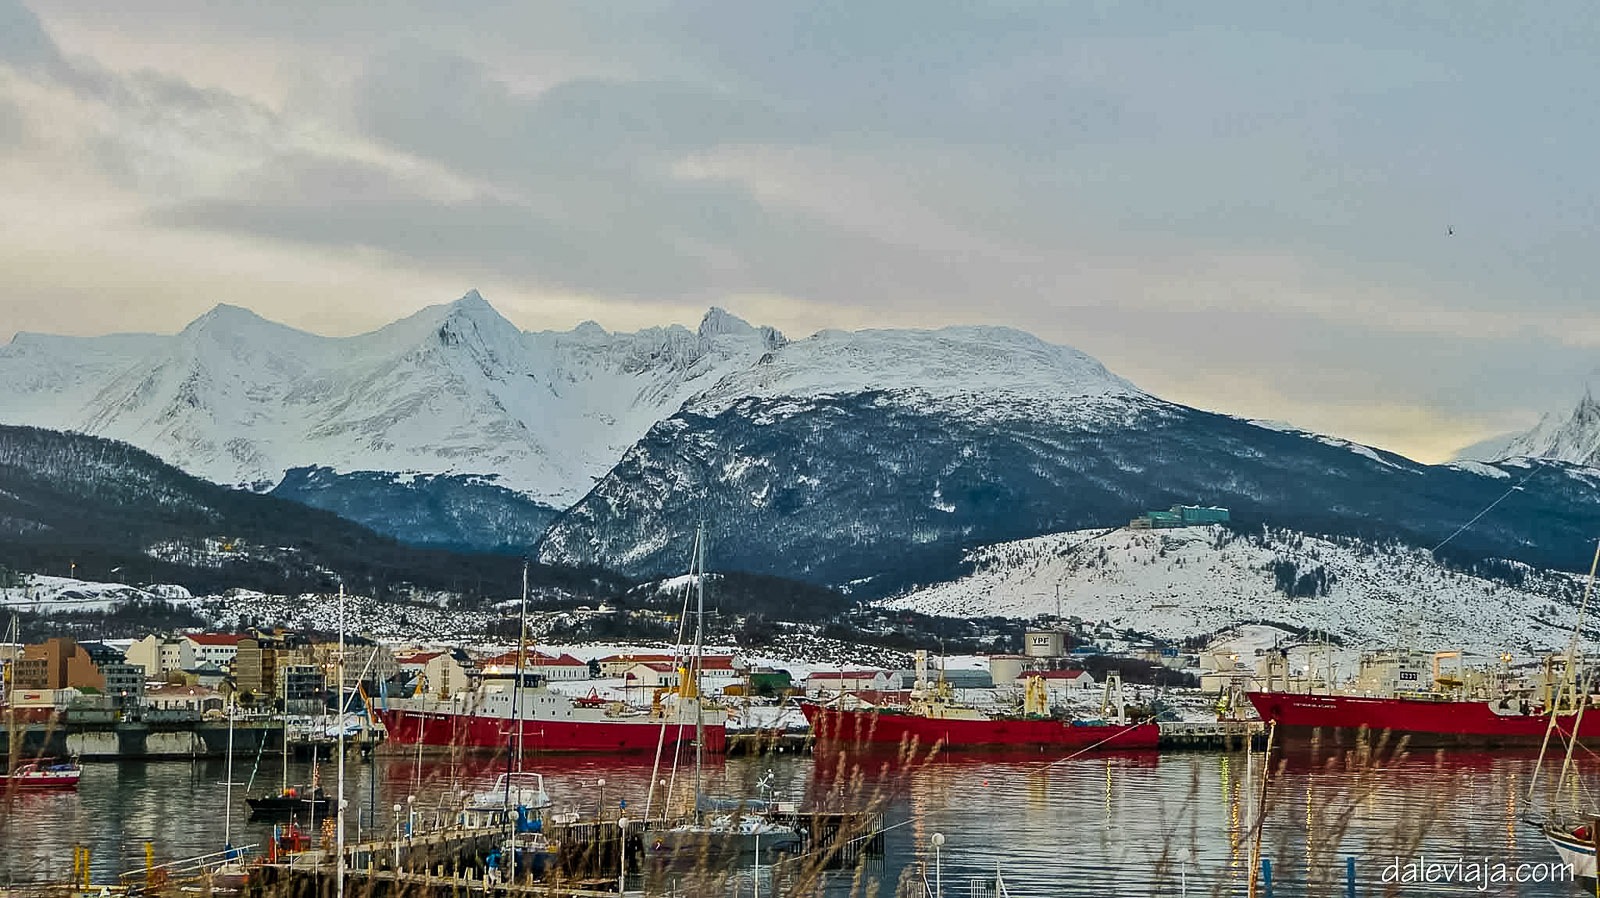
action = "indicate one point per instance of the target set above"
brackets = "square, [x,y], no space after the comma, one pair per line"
[458,389]
[451,389]
[1187,582]
[976,369]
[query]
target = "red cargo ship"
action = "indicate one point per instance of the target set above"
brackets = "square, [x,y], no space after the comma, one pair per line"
[549,722]
[1425,722]
[883,726]
[932,721]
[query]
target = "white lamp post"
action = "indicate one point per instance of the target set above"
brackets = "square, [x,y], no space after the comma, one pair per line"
[938,866]
[622,855]
[602,813]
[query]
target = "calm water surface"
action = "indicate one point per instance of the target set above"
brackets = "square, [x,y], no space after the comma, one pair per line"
[1108,826]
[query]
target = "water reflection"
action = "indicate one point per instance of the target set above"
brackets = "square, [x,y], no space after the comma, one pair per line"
[1138,824]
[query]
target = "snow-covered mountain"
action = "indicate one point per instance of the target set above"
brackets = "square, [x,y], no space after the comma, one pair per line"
[1570,437]
[874,460]
[1179,583]
[453,389]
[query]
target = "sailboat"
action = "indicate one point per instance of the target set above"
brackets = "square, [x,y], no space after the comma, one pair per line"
[288,801]
[518,801]
[232,873]
[720,828]
[1575,838]
[39,773]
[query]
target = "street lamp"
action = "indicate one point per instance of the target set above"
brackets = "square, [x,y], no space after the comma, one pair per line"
[622,855]
[938,866]
[602,813]
[397,838]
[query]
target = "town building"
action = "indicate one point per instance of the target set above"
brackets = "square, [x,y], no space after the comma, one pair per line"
[303,689]
[365,660]
[213,648]
[556,668]
[651,675]
[618,665]
[161,655]
[1179,516]
[196,700]
[438,673]
[56,663]
[834,681]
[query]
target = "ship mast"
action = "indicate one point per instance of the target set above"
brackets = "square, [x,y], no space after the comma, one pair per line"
[522,660]
[697,658]
[1568,683]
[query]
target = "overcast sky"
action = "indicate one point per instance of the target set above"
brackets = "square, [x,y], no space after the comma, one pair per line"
[1248,214]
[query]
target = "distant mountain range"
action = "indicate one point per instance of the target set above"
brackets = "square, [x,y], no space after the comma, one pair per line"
[869,459]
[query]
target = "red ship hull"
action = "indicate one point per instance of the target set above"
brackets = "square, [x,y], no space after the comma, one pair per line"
[839,726]
[1423,723]
[540,736]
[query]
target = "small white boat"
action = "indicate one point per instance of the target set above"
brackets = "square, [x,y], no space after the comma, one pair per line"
[42,775]
[517,800]
[1575,845]
[498,804]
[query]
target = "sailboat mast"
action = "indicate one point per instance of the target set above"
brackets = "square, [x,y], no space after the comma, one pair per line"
[339,826]
[12,748]
[227,799]
[698,658]
[283,736]
[522,657]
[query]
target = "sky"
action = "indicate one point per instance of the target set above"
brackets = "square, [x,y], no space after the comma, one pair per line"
[1371,220]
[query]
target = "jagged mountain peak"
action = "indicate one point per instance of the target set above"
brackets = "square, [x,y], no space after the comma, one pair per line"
[720,322]
[1572,436]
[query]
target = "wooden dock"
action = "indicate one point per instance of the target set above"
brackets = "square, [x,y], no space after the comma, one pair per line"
[451,861]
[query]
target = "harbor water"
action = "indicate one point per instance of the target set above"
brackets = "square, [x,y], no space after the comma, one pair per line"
[1136,824]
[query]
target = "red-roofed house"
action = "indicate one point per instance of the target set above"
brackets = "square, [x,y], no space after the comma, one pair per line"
[551,667]
[559,667]
[719,671]
[618,665]
[651,675]
[443,673]
[834,681]
[1060,684]
[214,648]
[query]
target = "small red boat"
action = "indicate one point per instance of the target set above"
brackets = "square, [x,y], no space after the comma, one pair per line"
[42,775]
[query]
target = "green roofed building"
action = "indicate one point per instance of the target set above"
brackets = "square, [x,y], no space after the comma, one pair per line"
[1180,516]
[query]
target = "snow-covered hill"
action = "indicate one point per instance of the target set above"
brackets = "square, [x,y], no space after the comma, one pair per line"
[453,389]
[1570,437]
[1178,583]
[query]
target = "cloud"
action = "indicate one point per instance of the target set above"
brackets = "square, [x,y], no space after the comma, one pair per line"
[1208,207]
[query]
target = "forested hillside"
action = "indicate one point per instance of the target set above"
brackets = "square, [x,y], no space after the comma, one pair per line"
[101,509]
